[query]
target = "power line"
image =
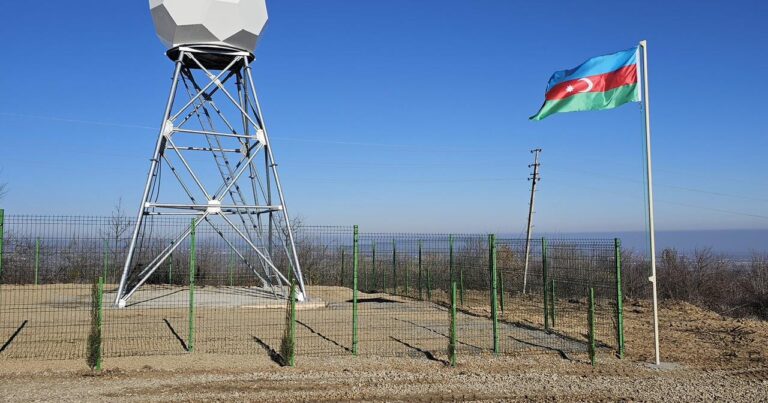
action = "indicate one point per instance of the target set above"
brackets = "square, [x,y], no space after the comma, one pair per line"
[87,122]
[687,189]
[716,209]
[467,180]
[741,213]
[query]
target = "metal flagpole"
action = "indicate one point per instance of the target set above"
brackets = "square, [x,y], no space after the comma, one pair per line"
[649,183]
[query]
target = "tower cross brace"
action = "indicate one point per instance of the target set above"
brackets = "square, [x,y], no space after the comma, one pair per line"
[220,117]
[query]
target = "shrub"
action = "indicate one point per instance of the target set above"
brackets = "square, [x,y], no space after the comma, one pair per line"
[93,355]
[288,343]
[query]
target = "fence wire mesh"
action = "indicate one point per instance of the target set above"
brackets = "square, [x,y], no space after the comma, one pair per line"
[218,305]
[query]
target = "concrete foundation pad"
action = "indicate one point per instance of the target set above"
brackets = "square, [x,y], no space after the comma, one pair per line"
[215,297]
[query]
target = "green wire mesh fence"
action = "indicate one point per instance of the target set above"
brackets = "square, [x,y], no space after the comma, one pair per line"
[48,265]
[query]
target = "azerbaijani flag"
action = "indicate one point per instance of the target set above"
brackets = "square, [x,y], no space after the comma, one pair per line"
[602,82]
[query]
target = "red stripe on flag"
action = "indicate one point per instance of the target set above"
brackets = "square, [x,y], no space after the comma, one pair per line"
[600,83]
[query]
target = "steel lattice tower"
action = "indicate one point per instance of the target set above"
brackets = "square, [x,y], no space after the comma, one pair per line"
[212,161]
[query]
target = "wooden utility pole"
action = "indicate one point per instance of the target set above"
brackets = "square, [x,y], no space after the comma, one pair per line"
[535,178]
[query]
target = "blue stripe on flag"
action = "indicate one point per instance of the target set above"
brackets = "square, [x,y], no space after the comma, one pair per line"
[594,66]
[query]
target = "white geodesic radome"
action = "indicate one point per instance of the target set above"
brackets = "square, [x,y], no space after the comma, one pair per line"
[233,23]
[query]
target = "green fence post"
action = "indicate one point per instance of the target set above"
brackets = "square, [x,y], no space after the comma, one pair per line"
[421,297]
[544,269]
[373,268]
[355,256]
[591,320]
[105,258]
[461,284]
[494,291]
[37,259]
[170,269]
[341,278]
[231,268]
[429,284]
[553,299]
[292,329]
[290,282]
[501,290]
[453,341]
[365,273]
[2,236]
[192,268]
[100,321]
[407,278]
[394,267]
[619,299]
[450,257]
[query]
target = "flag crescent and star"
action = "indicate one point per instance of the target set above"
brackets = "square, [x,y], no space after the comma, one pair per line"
[589,83]
[602,82]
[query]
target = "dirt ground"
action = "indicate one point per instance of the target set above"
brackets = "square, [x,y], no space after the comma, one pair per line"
[707,357]
[52,322]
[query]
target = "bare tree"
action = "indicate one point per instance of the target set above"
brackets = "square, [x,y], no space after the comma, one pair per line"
[118,224]
[755,286]
[118,221]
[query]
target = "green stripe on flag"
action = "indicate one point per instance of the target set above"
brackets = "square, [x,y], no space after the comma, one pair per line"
[590,101]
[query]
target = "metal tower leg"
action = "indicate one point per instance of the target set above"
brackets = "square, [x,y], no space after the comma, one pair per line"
[159,151]
[268,150]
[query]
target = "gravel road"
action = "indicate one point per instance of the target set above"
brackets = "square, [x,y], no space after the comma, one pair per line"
[477,378]
[711,358]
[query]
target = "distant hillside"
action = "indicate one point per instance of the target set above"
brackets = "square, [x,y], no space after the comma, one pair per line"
[735,243]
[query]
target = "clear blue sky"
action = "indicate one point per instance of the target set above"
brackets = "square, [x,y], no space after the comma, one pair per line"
[410,115]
